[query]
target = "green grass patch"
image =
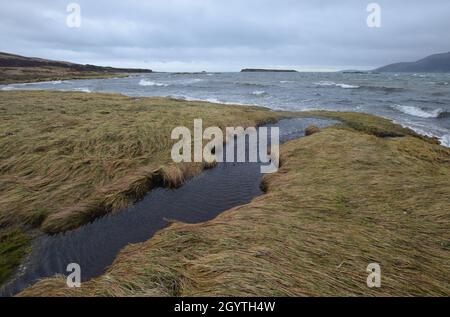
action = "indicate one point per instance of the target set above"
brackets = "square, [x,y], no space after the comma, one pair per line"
[14,244]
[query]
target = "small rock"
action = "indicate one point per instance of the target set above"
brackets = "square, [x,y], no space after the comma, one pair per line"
[311,130]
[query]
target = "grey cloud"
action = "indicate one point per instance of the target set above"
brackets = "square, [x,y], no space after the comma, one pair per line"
[226,35]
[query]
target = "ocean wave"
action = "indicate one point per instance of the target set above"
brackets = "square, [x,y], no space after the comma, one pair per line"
[345,86]
[247,84]
[145,82]
[444,114]
[53,82]
[8,88]
[421,112]
[333,84]
[83,89]
[20,85]
[190,81]
[445,140]
[325,83]
[383,88]
[210,100]
[259,93]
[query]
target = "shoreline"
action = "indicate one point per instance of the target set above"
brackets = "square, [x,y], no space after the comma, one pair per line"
[67,78]
[429,132]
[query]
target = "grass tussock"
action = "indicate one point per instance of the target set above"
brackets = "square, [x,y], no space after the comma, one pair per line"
[67,158]
[343,198]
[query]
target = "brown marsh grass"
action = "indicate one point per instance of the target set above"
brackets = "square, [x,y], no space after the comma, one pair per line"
[67,158]
[367,191]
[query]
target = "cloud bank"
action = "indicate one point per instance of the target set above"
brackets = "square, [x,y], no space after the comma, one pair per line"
[218,35]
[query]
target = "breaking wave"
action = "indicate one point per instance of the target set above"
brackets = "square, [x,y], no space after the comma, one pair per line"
[421,112]
[210,100]
[145,82]
[366,87]
[7,88]
[259,93]
[345,86]
[445,140]
[383,88]
[333,84]
[247,84]
[86,90]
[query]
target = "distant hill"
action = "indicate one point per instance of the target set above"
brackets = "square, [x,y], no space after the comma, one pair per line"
[20,69]
[438,63]
[256,70]
[11,60]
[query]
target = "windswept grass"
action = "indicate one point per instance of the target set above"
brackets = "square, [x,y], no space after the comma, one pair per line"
[343,198]
[67,158]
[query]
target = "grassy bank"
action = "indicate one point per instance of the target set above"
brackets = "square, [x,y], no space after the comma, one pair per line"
[67,158]
[369,191]
[14,75]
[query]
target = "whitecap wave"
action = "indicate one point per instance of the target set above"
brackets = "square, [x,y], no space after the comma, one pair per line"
[259,93]
[83,89]
[325,83]
[145,82]
[8,88]
[248,84]
[333,84]
[212,100]
[346,86]
[423,130]
[445,140]
[419,112]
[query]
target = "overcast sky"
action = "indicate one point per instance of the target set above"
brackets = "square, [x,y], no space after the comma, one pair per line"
[226,35]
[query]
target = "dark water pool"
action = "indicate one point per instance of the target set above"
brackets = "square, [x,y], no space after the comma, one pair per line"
[95,246]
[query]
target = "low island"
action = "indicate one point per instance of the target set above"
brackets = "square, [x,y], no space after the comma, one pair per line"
[266,70]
